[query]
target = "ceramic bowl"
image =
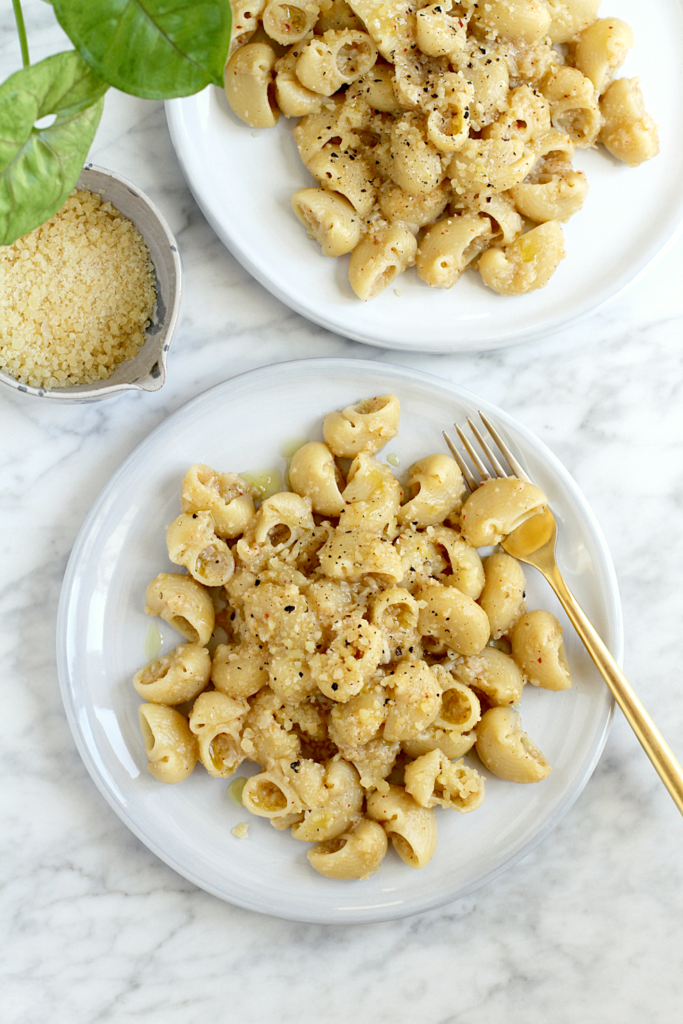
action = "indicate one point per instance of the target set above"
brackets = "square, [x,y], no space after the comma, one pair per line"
[146,371]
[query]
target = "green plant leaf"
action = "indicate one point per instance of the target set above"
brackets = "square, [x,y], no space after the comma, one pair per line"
[156,49]
[40,166]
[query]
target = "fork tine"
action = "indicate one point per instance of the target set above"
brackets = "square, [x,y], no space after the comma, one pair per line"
[483,471]
[464,468]
[504,450]
[496,465]
[498,469]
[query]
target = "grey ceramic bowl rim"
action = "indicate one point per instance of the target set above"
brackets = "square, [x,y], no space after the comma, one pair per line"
[147,382]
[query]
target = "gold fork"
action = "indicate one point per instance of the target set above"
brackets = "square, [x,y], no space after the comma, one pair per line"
[533,542]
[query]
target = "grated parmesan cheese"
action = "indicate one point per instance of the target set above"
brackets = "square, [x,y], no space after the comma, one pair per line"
[76,296]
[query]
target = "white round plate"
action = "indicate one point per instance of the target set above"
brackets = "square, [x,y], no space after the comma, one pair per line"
[241,425]
[243,180]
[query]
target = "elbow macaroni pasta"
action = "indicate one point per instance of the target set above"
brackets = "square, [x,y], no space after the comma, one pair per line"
[628,131]
[357,649]
[506,750]
[423,123]
[357,853]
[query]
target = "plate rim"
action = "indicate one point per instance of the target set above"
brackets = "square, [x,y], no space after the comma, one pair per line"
[612,608]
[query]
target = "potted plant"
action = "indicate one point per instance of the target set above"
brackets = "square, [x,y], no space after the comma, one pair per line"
[49,111]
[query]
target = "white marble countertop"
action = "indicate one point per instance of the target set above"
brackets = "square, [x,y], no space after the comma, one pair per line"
[588,927]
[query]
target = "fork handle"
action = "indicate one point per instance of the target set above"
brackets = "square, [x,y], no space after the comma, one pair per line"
[652,741]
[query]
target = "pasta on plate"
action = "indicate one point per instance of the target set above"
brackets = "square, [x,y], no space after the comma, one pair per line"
[440,135]
[348,637]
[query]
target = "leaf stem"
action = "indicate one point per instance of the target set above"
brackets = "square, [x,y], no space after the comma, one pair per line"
[21,29]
